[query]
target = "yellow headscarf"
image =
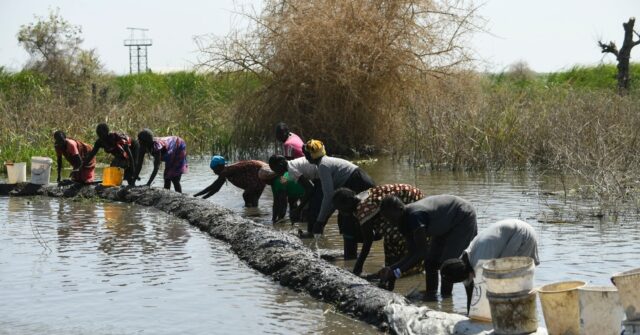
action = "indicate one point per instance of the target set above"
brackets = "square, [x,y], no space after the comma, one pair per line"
[315,149]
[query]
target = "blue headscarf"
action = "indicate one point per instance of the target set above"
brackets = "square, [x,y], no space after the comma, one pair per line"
[216,161]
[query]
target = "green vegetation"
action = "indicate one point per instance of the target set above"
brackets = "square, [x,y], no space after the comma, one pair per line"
[379,99]
[194,106]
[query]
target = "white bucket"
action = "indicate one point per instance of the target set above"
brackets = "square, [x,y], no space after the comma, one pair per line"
[631,327]
[600,310]
[16,172]
[40,170]
[628,284]
[479,309]
[509,275]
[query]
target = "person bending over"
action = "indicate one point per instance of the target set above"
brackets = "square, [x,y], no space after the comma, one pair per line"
[365,207]
[242,174]
[448,221]
[335,173]
[123,149]
[74,151]
[506,238]
[172,150]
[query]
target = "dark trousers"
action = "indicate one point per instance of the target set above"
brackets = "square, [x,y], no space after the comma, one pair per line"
[450,245]
[313,208]
[359,181]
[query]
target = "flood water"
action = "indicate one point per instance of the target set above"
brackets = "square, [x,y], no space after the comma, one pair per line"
[70,267]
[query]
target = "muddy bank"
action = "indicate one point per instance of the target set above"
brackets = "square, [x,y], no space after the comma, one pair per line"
[281,256]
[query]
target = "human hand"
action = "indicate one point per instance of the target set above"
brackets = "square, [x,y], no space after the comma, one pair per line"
[385,273]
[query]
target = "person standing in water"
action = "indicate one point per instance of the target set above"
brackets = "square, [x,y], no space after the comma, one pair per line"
[74,151]
[291,143]
[506,238]
[448,221]
[242,174]
[121,146]
[304,174]
[335,173]
[172,150]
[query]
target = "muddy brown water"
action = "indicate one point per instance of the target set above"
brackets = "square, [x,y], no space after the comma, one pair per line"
[81,267]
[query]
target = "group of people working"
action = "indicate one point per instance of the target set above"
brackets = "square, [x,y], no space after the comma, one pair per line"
[127,153]
[436,233]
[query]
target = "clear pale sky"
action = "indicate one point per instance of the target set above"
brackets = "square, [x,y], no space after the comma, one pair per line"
[548,35]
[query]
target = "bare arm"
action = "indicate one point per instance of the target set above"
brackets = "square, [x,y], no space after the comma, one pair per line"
[132,162]
[417,249]
[156,165]
[92,153]
[367,241]
[279,206]
[308,190]
[59,166]
[140,162]
[213,188]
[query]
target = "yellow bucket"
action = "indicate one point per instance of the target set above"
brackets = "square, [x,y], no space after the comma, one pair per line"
[112,176]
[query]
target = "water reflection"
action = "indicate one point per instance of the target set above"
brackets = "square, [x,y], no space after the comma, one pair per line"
[120,269]
[109,257]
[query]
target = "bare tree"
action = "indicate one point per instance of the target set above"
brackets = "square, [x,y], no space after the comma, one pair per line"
[624,54]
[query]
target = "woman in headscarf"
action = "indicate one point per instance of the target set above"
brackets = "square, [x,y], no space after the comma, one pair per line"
[74,151]
[335,173]
[172,150]
[242,174]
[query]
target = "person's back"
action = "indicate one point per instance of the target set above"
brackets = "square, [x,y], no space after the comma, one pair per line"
[333,173]
[301,167]
[338,169]
[113,144]
[438,213]
[244,174]
[504,238]
[292,147]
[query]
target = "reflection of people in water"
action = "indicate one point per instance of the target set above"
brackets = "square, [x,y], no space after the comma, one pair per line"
[122,224]
[76,218]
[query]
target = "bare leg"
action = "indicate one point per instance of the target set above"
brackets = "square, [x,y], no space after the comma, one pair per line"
[176,183]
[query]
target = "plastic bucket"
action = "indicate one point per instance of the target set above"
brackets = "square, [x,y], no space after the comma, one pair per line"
[513,313]
[631,327]
[16,172]
[628,284]
[509,275]
[112,176]
[479,309]
[41,170]
[600,310]
[561,308]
